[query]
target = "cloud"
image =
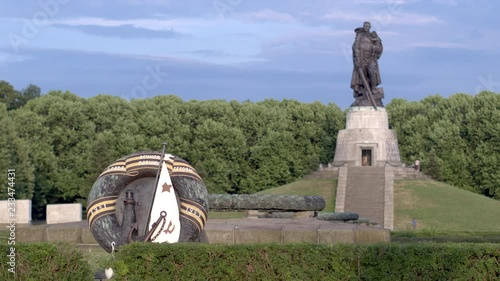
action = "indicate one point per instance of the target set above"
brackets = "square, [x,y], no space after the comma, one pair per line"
[383,17]
[385,2]
[438,44]
[123,31]
[454,2]
[209,53]
[145,23]
[269,15]
[7,58]
[151,2]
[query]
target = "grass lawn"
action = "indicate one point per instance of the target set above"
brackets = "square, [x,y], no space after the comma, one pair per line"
[439,207]
[322,187]
[4,236]
[226,215]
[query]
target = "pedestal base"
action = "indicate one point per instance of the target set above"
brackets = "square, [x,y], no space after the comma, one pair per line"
[367,140]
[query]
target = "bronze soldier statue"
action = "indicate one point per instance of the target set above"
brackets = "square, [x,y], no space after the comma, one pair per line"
[366,51]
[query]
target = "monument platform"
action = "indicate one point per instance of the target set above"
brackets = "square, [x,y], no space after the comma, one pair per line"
[366,154]
[367,139]
[232,231]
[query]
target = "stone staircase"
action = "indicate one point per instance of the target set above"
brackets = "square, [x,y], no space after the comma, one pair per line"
[409,174]
[399,173]
[365,193]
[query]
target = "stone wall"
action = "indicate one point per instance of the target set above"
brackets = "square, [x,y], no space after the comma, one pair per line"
[62,213]
[21,213]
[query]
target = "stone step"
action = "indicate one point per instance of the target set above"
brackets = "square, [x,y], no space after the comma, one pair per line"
[409,173]
[365,192]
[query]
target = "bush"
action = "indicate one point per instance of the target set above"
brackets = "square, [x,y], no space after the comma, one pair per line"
[140,261]
[45,261]
[415,261]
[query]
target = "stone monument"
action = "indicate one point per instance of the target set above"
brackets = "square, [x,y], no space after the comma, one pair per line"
[367,143]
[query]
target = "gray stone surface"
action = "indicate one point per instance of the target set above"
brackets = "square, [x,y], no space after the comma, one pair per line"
[21,214]
[369,192]
[409,173]
[389,199]
[332,236]
[87,237]
[62,213]
[235,231]
[365,193]
[267,202]
[341,189]
[29,234]
[364,236]
[367,128]
[337,216]
[365,117]
[70,235]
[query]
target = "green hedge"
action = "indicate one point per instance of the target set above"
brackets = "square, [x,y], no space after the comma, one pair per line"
[45,261]
[424,261]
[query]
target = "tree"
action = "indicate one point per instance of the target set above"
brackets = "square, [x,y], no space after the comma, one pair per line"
[14,155]
[29,93]
[8,95]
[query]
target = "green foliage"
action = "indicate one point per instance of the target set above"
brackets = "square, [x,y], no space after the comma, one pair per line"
[59,143]
[44,261]
[422,261]
[239,262]
[456,139]
[8,95]
[15,99]
[236,147]
[14,155]
[427,261]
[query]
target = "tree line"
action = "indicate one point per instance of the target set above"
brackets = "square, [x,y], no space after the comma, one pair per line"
[59,143]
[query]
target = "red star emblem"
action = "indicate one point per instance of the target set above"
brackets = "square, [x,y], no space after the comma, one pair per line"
[166,187]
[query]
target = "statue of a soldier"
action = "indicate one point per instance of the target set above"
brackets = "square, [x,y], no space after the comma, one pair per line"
[366,51]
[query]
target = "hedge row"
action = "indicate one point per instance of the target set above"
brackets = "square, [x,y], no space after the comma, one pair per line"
[43,261]
[423,261]
[142,261]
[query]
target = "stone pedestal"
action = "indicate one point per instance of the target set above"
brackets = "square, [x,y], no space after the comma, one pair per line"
[21,213]
[63,213]
[367,133]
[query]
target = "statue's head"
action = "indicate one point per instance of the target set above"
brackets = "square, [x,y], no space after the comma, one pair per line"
[367,26]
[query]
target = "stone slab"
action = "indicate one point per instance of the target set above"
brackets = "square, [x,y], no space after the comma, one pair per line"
[382,142]
[389,199]
[300,234]
[254,235]
[87,237]
[232,231]
[63,213]
[333,236]
[364,236]
[70,235]
[29,235]
[222,233]
[366,117]
[367,128]
[20,214]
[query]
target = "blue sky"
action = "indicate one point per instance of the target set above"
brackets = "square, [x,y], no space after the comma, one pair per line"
[247,49]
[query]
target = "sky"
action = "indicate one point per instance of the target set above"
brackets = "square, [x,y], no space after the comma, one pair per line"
[247,49]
